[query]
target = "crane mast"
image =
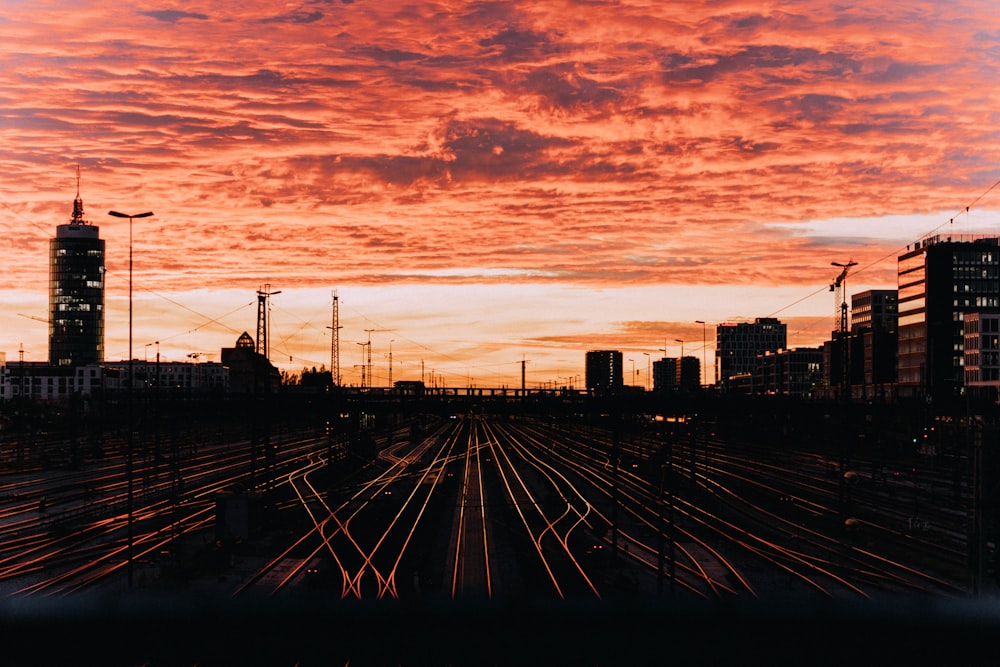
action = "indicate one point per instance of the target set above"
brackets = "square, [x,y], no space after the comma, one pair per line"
[839,288]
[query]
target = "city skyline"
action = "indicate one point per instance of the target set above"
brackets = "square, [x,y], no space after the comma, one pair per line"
[488,185]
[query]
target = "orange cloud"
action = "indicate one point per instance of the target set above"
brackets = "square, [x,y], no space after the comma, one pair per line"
[605,146]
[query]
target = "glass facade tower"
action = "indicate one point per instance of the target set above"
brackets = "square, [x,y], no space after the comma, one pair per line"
[940,282]
[76,292]
[738,345]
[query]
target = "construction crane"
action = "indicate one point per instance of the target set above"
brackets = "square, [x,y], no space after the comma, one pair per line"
[32,317]
[839,288]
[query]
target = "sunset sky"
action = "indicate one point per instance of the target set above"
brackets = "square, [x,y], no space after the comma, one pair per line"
[487,182]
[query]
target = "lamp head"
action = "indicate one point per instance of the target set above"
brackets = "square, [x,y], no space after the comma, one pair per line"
[126,215]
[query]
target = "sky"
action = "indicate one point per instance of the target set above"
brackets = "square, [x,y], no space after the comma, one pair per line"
[486,186]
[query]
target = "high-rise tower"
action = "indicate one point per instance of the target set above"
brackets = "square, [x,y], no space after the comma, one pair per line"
[76,291]
[604,371]
[940,282]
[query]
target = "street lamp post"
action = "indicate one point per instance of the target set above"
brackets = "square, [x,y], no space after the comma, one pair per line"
[649,362]
[145,364]
[131,382]
[632,382]
[704,348]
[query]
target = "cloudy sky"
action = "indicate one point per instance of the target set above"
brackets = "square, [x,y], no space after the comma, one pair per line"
[486,183]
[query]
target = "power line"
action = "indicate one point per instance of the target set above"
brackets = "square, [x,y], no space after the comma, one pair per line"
[895,253]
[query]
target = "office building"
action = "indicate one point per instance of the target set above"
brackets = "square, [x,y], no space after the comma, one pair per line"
[40,381]
[665,372]
[794,372]
[738,345]
[604,371]
[982,350]
[673,374]
[874,322]
[940,282]
[875,309]
[76,292]
[689,373]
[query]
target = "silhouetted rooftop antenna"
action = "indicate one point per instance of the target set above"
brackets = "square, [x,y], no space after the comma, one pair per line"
[77,218]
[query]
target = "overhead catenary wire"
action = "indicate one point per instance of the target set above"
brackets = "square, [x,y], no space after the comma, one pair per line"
[895,253]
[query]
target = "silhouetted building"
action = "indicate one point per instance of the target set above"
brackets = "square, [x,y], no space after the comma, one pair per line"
[875,309]
[604,371]
[39,381]
[794,372]
[167,377]
[742,384]
[738,345]
[76,292]
[675,374]
[249,371]
[874,320]
[665,374]
[689,374]
[940,282]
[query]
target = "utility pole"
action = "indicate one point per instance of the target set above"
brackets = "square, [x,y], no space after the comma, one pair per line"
[131,381]
[369,362]
[649,365]
[262,387]
[335,342]
[523,362]
[390,364]
[364,366]
[704,352]
[263,322]
[369,346]
[22,402]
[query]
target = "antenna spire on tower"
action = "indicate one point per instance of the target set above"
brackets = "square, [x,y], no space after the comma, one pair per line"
[77,218]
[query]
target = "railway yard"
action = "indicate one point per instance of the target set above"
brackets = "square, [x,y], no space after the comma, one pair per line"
[466,516]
